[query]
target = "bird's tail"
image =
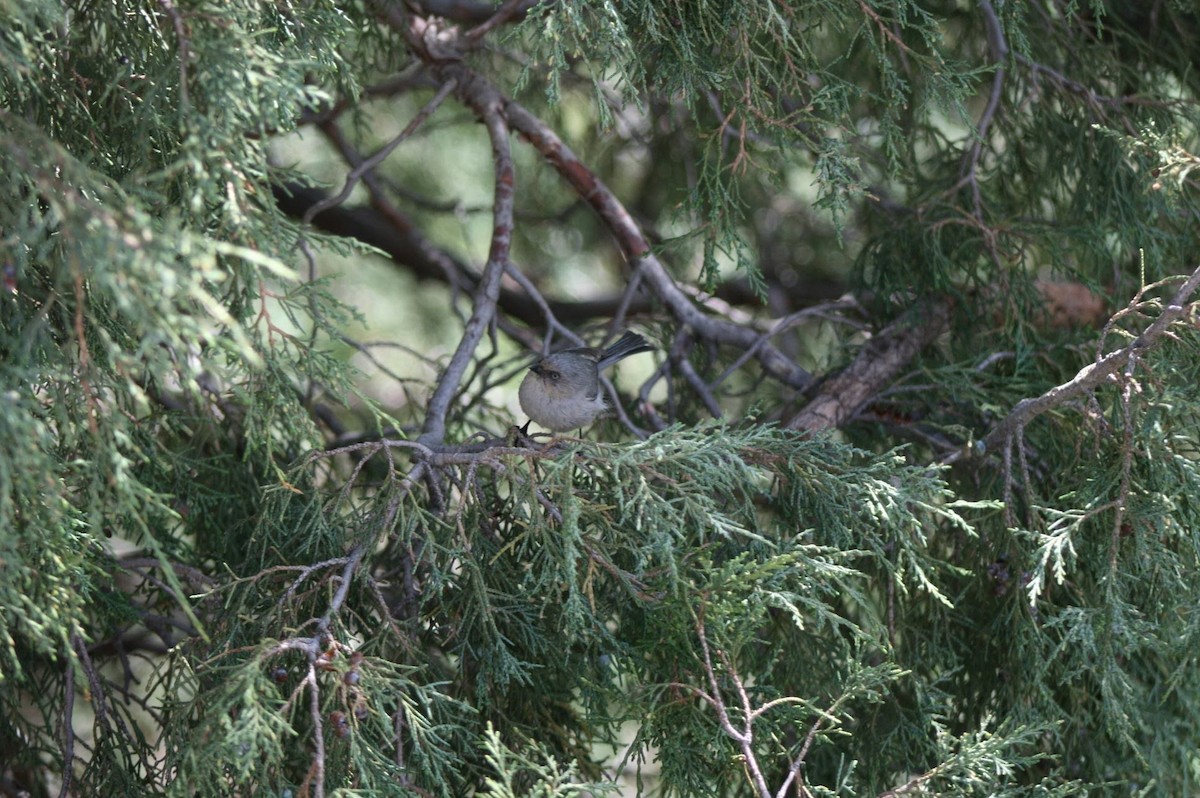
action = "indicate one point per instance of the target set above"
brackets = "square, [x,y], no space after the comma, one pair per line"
[628,344]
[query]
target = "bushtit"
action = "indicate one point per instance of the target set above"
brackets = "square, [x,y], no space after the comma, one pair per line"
[562,391]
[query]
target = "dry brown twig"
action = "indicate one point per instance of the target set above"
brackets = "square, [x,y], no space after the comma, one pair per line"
[743,735]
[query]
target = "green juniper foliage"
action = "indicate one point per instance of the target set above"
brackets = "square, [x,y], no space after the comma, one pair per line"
[905,502]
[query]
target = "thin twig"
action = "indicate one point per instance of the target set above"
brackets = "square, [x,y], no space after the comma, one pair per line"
[745,737]
[998,47]
[1096,373]
[699,387]
[486,101]
[185,53]
[306,571]
[627,296]
[380,155]
[1126,464]
[783,325]
[314,705]
[505,13]
[68,721]
[553,325]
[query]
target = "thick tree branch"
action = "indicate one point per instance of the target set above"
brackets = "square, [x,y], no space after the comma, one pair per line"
[408,247]
[875,367]
[636,248]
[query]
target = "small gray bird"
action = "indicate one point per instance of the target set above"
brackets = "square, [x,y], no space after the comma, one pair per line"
[562,391]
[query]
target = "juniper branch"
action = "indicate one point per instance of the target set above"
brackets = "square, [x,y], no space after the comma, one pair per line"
[1094,374]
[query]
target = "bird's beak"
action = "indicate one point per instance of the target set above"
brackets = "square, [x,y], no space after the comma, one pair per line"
[536,368]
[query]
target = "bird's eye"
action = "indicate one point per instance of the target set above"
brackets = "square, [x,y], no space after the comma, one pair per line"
[553,375]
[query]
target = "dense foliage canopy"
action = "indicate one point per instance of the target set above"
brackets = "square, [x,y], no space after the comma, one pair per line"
[906,500]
